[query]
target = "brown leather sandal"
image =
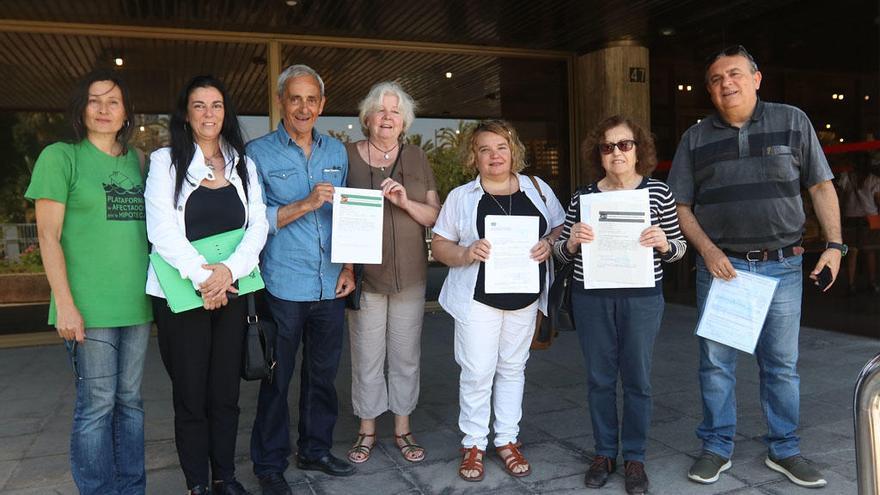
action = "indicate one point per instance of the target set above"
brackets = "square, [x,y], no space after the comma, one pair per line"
[514,459]
[361,448]
[407,446]
[471,461]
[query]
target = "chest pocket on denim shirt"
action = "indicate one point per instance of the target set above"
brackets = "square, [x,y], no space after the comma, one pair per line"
[287,185]
[332,174]
[780,164]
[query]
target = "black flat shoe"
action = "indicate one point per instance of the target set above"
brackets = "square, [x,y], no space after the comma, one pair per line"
[274,484]
[228,487]
[327,464]
[198,490]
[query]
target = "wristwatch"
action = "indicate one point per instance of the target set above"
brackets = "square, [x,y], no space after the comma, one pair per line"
[843,248]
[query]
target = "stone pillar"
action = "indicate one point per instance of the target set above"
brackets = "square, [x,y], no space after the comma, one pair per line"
[611,80]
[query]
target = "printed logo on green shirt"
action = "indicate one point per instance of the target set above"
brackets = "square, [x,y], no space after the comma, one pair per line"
[125,200]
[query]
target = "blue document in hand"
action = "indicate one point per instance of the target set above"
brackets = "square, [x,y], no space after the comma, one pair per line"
[179,291]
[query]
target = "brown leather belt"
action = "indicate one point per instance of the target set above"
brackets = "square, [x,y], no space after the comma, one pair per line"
[767,254]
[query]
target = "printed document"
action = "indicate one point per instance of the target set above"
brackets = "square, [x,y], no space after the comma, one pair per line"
[615,259]
[357,226]
[510,268]
[735,310]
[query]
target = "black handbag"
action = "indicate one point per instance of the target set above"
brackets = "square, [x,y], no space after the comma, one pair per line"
[353,299]
[258,358]
[559,299]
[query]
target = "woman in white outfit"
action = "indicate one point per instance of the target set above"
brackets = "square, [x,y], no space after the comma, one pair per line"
[492,331]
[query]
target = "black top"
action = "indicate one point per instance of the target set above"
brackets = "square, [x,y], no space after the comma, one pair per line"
[213,211]
[517,204]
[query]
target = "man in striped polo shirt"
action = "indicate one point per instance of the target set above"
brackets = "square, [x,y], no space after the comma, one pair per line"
[737,177]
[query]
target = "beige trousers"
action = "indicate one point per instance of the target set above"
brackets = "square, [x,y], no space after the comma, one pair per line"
[387,325]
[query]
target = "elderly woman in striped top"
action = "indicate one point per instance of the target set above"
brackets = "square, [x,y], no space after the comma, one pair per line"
[617,327]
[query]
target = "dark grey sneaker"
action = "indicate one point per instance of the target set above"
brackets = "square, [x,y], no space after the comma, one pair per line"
[797,469]
[708,467]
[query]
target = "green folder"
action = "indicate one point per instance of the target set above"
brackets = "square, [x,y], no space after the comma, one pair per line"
[179,291]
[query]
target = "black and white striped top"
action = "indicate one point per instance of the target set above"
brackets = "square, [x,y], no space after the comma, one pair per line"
[663,213]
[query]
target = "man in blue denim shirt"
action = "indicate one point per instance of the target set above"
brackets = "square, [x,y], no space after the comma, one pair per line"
[737,177]
[298,169]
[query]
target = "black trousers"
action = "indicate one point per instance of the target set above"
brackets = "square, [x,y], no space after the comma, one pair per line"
[201,351]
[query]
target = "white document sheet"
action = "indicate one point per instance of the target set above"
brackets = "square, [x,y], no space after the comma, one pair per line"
[735,310]
[357,226]
[510,269]
[615,259]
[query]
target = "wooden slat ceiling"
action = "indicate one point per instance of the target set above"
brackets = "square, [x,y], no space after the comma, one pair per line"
[39,69]
[568,25]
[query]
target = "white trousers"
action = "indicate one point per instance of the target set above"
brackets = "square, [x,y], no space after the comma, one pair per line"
[387,325]
[493,346]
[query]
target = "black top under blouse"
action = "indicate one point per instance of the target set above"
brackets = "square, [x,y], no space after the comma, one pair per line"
[213,211]
[517,204]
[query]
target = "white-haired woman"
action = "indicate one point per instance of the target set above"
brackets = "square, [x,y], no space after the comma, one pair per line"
[388,324]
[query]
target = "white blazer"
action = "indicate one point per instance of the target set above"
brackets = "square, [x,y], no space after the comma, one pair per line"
[166,225]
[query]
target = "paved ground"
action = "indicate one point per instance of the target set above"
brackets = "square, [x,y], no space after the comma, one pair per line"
[36,396]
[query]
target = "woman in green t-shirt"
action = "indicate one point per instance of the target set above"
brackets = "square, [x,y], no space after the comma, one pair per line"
[90,221]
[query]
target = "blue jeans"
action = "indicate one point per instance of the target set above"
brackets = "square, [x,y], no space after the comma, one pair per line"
[319,325]
[107,440]
[617,334]
[777,355]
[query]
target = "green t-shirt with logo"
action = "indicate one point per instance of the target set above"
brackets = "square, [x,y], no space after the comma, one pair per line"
[104,236]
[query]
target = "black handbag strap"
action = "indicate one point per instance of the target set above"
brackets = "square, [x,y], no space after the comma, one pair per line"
[252,309]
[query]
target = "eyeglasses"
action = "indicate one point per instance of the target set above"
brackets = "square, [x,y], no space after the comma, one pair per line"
[72,347]
[732,51]
[624,146]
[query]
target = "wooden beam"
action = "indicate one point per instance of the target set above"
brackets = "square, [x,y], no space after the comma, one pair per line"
[121,31]
[273,70]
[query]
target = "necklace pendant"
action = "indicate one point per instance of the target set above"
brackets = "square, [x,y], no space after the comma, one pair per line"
[386,156]
[210,174]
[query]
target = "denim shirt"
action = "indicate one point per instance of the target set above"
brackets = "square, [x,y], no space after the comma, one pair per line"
[296,260]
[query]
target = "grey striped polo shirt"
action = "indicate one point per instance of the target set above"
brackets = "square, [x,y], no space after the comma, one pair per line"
[745,183]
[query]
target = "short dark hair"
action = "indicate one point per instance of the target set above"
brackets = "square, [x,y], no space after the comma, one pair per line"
[183,146]
[79,100]
[646,152]
[731,51]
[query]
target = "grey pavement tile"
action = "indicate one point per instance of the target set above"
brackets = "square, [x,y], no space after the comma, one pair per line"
[439,444]
[158,429]
[442,477]
[687,402]
[40,472]
[569,485]
[817,442]
[54,439]
[32,406]
[6,469]
[20,426]
[14,448]
[562,423]
[62,489]
[168,480]
[842,427]
[385,482]
[160,455]
[678,435]
[545,399]
[669,475]
[837,485]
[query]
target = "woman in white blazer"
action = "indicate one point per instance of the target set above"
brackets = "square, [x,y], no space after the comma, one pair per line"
[493,331]
[203,185]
